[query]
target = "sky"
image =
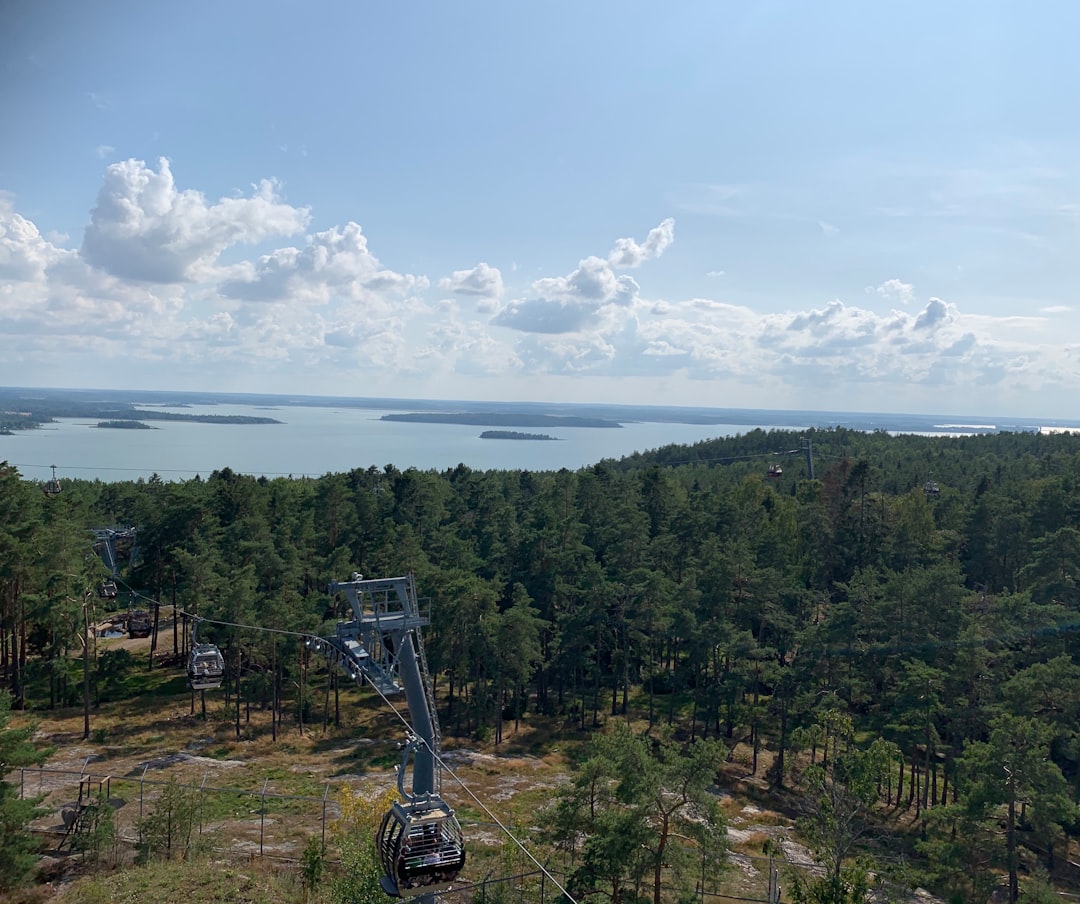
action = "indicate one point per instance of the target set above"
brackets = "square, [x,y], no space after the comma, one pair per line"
[840,206]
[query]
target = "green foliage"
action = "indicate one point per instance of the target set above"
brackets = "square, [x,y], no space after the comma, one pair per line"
[841,793]
[312,863]
[17,852]
[679,587]
[852,885]
[357,881]
[169,830]
[639,810]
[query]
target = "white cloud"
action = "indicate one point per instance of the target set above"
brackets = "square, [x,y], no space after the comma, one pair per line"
[628,253]
[896,291]
[334,264]
[24,253]
[152,286]
[566,304]
[104,150]
[481,280]
[933,315]
[143,228]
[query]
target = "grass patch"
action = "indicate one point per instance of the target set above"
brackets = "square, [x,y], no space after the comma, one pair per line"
[168,882]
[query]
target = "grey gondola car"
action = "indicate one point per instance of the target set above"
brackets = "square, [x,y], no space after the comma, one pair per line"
[421,847]
[206,667]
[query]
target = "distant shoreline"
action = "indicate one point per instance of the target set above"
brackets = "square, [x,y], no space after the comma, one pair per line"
[26,407]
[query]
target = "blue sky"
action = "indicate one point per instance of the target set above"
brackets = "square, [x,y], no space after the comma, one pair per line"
[845,206]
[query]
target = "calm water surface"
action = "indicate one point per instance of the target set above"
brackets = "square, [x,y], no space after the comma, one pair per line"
[316,441]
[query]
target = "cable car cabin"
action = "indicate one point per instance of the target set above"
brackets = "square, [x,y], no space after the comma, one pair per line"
[775,472]
[421,848]
[206,667]
[930,488]
[107,590]
[138,623]
[52,487]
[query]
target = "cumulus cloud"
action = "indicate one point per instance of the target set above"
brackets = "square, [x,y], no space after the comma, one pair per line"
[628,253]
[335,263]
[24,253]
[896,291]
[481,280]
[152,283]
[933,315]
[564,304]
[144,228]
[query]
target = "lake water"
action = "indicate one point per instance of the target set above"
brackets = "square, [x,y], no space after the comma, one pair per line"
[315,441]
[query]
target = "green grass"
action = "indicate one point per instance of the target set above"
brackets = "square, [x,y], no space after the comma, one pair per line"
[165,882]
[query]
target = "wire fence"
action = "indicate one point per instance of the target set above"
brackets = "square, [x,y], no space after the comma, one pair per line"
[243,821]
[261,822]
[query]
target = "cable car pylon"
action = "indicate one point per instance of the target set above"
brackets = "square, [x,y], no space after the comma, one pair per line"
[420,843]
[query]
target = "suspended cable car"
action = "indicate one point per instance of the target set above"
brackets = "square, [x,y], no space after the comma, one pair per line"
[421,848]
[107,590]
[930,488]
[420,843]
[138,623]
[206,665]
[52,487]
[775,472]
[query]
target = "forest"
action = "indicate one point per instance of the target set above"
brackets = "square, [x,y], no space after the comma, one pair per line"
[887,624]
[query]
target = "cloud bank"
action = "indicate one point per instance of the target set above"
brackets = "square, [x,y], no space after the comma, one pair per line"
[239,293]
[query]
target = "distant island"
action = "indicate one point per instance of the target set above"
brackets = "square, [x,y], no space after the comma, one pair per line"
[26,409]
[123,425]
[513,434]
[499,419]
[207,418]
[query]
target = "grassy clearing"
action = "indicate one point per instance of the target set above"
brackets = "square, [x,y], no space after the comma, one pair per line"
[144,741]
[208,880]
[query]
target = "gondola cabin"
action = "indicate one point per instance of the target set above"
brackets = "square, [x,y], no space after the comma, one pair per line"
[421,848]
[206,667]
[52,486]
[138,623]
[107,590]
[930,488]
[775,472]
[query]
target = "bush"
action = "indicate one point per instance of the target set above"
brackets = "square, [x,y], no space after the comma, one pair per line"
[167,832]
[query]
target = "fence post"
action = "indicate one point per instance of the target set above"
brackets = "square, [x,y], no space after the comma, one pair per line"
[262,816]
[22,783]
[326,794]
[202,797]
[142,779]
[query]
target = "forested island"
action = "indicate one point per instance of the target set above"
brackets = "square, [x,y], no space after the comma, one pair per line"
[880,644]
[123,425]
[513,434]
[25,409]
